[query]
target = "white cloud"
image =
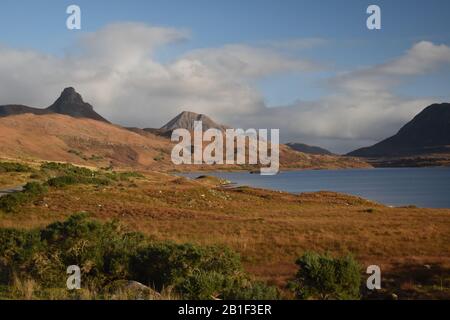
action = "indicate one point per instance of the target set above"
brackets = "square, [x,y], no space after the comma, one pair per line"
[422,58]
[241,61]
[362,106]
[115,69]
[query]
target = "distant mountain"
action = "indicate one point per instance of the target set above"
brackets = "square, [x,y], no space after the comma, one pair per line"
[301,147]
[69,103]
[14,109]
[185,120]
[427,133]
[71,131]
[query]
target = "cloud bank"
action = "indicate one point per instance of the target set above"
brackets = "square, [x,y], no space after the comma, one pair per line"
[116,70]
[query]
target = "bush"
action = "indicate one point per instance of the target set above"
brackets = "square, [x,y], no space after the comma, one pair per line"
[123,176]
[63,181]
[17,248]
[67,169]
[164,264]
[207,285]
[324,277]
[34,188]
[106,254]
[14,167]
[31,191]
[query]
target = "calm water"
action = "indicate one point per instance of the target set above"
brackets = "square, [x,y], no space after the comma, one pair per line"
[423,187]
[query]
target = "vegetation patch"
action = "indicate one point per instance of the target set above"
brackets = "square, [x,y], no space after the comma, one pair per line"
[63,181]
[31,191]
[325,277]
[106,254]
[14,167]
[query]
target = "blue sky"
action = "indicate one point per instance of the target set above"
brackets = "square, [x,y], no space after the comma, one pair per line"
[41,25]
[337,30]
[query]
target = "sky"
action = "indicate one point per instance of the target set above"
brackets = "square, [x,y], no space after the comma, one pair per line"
[310,68]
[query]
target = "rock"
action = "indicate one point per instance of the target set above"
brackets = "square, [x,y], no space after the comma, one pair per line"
[133,290]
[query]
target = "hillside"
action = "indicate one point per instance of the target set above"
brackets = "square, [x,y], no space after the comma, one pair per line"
[83,141]
[55,137]
[427,133]
[301,147]
[71,131]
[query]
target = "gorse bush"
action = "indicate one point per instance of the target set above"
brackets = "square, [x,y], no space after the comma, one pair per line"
[31,191]
[67,169]
[203,285]
[166,263]
[14,167]
[34,189]
[62,181]
[122,176]
[106,254]
[68,174]
[325,277]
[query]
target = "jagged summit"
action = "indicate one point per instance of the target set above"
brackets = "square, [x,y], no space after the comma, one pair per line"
[69,95]
[69,103]
[186,120]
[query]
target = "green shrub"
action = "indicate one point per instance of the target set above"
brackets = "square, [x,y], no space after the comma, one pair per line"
[164,264]
[14,167]
[17,248]
[34,188]
[106,253]
[213,285]
[31,191]
[67,169]
[325,277]
[123,176]
[63,181]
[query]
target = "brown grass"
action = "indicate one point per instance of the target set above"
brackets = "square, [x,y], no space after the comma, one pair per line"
[269,229]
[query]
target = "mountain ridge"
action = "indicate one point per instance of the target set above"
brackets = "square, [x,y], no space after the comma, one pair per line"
[427,133]
[305,148]
[71,131]
[69,103]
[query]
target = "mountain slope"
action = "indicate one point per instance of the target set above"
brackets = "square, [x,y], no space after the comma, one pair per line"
[186,120]
[55,137]
[69,103]
[427,133]
[301,147]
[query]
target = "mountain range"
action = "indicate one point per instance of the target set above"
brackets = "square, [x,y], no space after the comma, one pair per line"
[70,130]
